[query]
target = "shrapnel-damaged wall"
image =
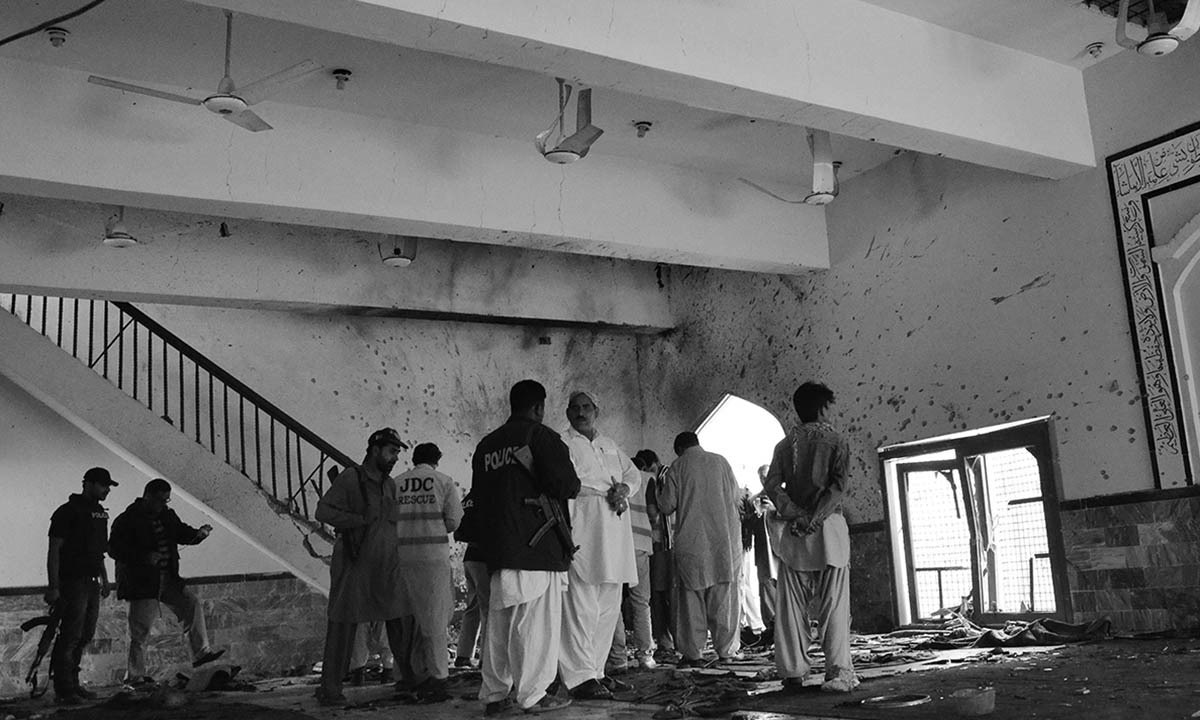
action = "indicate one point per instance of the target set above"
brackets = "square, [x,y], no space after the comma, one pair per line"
[959,297]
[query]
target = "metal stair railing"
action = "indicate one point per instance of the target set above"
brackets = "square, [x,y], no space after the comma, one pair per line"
[187,390]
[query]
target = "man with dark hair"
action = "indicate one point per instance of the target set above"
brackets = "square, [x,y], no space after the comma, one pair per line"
[145,543]
[662,566]
[360,573]
[521,474]
[427,506]
[702,492]
[806,482]
[76,580]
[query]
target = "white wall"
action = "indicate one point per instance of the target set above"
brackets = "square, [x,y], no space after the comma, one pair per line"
[959,297]
[42,460]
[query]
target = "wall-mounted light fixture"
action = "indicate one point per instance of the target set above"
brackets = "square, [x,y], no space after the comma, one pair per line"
[403,250]
[115,233]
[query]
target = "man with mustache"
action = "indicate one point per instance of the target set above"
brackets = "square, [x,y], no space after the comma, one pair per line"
[364,557]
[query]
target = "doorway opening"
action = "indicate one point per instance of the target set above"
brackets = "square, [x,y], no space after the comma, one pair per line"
[974,525]
[745,434]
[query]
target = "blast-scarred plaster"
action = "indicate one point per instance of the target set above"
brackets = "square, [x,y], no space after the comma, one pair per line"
[967,298]
[434,381]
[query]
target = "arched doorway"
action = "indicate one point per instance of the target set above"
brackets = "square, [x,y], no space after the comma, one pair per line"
[745,434]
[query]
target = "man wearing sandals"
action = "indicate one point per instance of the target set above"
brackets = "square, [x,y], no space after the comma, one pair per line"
[806,482]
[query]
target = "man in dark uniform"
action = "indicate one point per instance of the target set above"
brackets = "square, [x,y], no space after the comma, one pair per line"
[522,476]
[77,580]
[145,544]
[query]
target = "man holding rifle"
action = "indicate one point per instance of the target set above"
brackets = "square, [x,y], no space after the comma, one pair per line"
[522,478]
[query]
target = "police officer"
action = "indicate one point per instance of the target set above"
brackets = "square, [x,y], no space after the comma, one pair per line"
[522,473]
[77,579]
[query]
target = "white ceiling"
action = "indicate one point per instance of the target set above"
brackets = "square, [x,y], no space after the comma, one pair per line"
[176,45]
[492,88]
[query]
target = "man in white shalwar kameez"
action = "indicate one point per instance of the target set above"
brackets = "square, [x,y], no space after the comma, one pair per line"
[806,482]
[605,559]
[701,490]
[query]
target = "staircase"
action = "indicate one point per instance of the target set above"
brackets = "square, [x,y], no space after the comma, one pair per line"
[171,412]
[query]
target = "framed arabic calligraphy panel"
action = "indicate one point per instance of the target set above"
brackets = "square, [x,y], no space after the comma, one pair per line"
[1136,177]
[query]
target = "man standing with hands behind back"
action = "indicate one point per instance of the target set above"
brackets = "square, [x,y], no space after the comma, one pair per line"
[145,543]
[77,579]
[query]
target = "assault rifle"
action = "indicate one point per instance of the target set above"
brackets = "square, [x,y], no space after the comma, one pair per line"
[554,520]
[550,508]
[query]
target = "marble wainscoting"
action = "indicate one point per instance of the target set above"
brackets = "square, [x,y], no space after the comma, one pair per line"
[1135,558]
[270,625]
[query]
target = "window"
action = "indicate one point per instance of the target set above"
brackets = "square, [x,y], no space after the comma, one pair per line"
[974,525]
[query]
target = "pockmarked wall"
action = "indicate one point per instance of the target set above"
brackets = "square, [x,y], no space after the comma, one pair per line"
[959,297]
[42,461]
[440,381]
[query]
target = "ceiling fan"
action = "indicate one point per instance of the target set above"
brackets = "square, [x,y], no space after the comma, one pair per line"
[1162,37]
[230,101]
[553,143]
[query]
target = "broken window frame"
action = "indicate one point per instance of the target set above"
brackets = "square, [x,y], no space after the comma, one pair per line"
[960,450]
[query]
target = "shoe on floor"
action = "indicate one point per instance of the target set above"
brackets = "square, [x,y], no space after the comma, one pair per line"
[431,690]
[67,697]
[549,703]
[590,690]
[685,663]
[843,683]
[732,658]
[800,684]
[463,662]
[386,676]
[614,685]
[327,698]
[207,656]
[85,693]
[647,662]
[499,707]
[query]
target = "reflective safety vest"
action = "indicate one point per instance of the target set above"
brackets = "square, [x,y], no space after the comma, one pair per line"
[430,507]
[639,519]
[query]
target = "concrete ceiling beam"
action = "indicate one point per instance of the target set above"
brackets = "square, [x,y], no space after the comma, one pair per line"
[66,138]
[848,67]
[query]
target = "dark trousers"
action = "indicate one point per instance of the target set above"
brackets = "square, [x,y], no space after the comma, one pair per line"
[78,609]
[339,646]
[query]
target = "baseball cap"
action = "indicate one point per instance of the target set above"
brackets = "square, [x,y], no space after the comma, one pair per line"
[99,475]
[386,436]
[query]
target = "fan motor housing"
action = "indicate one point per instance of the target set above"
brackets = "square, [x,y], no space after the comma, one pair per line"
[225,104]
[1158,44]
[561,157]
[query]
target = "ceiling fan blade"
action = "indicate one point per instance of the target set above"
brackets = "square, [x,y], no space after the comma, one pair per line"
[95,80]
[581,141]
[263,88]
[248,120]
[1189,23]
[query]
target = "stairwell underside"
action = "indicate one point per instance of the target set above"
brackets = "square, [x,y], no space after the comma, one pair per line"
[155,447]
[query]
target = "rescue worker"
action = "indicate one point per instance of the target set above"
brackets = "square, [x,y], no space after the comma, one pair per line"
[145,543]
[702,492]
[806,482]
[364,558]
[428,507]
[76,580]
[522,472]
[600,517]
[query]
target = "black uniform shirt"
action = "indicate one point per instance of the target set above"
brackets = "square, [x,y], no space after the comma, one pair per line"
[82,525]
